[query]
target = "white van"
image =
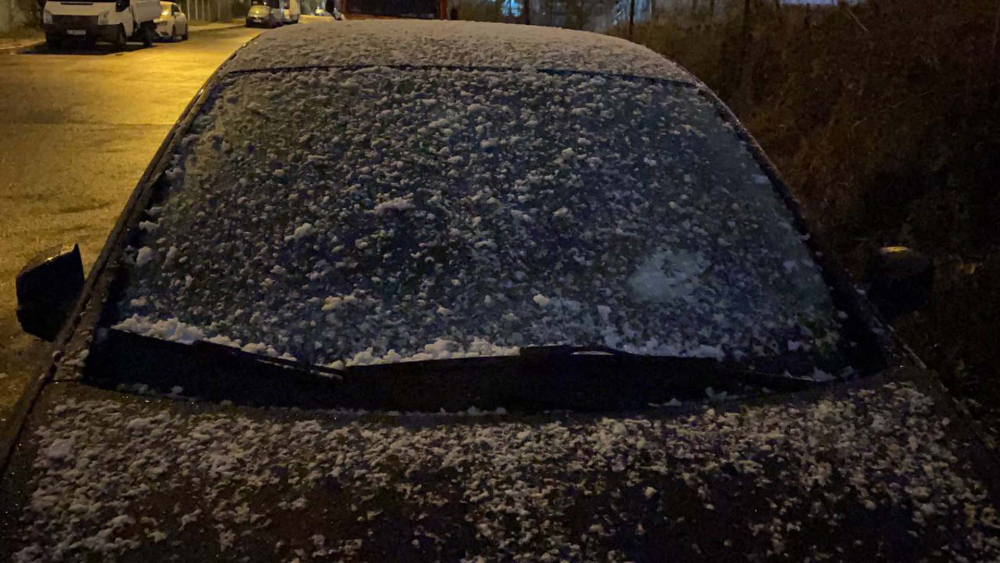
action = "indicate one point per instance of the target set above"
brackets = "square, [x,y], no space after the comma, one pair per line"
[109,20]
[272,13]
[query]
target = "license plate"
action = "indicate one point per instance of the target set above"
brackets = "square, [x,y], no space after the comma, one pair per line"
[76,32]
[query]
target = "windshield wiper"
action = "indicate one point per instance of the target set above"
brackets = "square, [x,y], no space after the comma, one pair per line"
[588,378]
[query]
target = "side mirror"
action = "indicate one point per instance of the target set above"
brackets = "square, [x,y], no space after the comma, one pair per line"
[900,280]
[47,289]
[122,5]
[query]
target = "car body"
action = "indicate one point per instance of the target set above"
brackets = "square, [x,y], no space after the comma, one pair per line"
[172,23]
[478,223]
[115,22]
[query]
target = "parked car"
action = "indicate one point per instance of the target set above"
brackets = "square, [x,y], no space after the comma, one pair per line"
[264,13]
[291,12]
[106,20]
[172,23]
[496,293]
[272,13]
[321,11]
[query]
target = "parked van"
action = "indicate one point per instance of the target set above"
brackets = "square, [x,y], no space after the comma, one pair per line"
[272,13]
[291,12]
[109,20]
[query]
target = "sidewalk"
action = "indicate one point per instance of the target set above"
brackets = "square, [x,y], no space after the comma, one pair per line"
[29,37]
[19,39]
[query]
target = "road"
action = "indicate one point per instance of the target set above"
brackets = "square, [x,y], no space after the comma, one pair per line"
[78,129]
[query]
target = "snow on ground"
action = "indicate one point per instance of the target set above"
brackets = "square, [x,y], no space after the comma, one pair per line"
[465,44]
[868,477]
[509,208]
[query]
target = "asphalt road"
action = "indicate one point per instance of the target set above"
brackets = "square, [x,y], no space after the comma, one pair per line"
[76,133]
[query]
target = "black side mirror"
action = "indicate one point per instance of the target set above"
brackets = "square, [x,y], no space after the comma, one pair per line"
[900,280]
[122,5]
[47,289]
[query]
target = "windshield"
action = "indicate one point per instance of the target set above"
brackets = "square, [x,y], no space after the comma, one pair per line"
[434,213]
[269,3]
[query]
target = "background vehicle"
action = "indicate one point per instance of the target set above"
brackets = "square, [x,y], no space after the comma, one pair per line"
[172,23]
[424,9]
[292,12]
[266,13]
[321,11]
[115,22]
[388,221]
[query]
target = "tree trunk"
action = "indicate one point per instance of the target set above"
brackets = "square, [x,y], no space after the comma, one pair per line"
[993,68]
[694,7]
[631,18]
[711,9]
[527,12]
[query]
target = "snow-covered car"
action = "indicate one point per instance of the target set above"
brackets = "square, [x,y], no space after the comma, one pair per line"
[509,293]
[172,23]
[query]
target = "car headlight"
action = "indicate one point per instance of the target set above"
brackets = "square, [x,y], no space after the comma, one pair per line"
[102,18]
[46,17]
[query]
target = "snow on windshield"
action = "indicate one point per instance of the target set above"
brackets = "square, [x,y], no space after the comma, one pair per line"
[451,43]
[383,214]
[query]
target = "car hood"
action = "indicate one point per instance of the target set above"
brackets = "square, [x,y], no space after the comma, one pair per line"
[866,473]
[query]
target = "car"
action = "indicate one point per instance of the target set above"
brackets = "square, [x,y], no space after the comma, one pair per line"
[495,293]
[291,12]
[172,23]
[264,13]
[334,13]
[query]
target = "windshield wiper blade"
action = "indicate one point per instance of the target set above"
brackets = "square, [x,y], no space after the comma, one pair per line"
[588,378]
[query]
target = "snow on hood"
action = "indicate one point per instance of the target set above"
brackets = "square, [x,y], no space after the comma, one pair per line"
[451,43]
[362,216]
[868,477]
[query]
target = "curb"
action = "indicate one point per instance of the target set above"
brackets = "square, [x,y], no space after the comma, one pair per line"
[194,28]
[15,49]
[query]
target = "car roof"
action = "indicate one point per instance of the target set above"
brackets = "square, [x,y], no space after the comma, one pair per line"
[452,43]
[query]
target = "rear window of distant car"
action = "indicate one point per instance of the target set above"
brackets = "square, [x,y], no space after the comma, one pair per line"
[353,216]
